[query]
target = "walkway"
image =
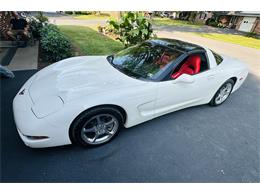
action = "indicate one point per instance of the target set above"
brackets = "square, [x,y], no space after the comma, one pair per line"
[25,58]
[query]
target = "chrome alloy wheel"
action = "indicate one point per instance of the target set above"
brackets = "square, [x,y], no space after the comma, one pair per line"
[223,94]
[99,129]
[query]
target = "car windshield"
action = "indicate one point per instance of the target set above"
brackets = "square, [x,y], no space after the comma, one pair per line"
[144,61]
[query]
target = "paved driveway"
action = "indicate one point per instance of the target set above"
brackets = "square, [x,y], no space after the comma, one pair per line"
[61,19]
[199,144]
[197,29]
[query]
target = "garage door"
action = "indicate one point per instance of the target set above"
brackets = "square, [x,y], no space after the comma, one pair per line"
[247,24]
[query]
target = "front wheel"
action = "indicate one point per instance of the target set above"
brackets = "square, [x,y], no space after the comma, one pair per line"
[223,93]
[96,127]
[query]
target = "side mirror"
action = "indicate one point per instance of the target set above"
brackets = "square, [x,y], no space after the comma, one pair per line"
[184,78]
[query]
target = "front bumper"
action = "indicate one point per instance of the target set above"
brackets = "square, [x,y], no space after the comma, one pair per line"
[28,125]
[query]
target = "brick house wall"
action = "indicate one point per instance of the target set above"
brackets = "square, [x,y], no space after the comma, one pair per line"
[256,26]
[224,19]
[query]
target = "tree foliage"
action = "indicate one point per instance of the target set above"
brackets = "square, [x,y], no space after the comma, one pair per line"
[131,28]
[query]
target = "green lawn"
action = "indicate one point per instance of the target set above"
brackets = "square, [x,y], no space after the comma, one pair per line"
[171,22]
[87,41]
[236,39]
[90,17]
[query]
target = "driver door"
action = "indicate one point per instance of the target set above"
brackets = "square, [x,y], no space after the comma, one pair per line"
[184,91]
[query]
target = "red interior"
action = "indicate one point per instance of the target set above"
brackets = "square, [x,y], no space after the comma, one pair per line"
[163,60]
[191,66]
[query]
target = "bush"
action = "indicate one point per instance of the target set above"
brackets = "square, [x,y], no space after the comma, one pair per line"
[42,18]
[78,12]
[36,24]
[86,12]
[47,28]
[211,22]
[36,27]
[251,34]
[132,28]
[69,12]
[54,45]
[220,25]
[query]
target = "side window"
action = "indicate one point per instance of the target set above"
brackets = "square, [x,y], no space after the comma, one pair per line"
[193,64]
[217,57]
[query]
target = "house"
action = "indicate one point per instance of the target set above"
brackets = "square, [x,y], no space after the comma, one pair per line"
[203,16]
[245,21]
[199,16]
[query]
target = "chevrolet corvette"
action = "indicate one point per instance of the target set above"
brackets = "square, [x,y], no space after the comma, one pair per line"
[86,100]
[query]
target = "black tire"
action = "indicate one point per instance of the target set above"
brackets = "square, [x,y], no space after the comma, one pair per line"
[78,124]
[213,101]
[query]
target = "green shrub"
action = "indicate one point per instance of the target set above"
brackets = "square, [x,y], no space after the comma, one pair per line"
[42,18]
[220,25]
[78,12]
[69,12]
[36,24]
[212,22]
[47,28]
[251,34]
[36,27]
[55,45]
[132,28]
[85,12]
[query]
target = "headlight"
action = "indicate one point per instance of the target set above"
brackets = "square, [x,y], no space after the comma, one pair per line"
[46,106]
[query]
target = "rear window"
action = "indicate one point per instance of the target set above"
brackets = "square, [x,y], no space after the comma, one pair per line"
[217,57]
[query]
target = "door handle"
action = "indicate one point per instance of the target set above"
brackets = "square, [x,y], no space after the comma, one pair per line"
[211,76]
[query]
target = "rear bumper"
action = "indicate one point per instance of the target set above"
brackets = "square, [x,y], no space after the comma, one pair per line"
[28,125]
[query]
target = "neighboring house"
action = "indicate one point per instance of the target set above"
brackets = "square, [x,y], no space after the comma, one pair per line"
[241,20]
[202,16]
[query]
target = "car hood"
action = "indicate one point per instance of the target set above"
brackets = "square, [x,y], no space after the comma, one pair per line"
[79,76]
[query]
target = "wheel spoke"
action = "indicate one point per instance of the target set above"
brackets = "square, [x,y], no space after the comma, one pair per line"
[109,132]
[96,136]
[92,129]
[98,120]
[110,122]
[222,92]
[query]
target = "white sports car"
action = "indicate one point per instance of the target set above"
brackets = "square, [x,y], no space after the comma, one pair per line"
[86,100]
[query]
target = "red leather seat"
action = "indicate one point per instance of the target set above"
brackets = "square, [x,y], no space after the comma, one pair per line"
[191,66]
[163,60]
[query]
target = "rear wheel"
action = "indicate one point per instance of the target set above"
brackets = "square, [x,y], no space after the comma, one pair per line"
[223,93]
[96,127]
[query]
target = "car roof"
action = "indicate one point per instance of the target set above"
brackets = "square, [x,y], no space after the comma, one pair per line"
[176,44]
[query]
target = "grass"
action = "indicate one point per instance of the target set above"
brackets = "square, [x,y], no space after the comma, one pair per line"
[236,39]
[171,22]
[87,41]
[91,17]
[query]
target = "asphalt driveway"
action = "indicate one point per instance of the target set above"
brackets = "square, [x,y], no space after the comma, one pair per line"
[199,144]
